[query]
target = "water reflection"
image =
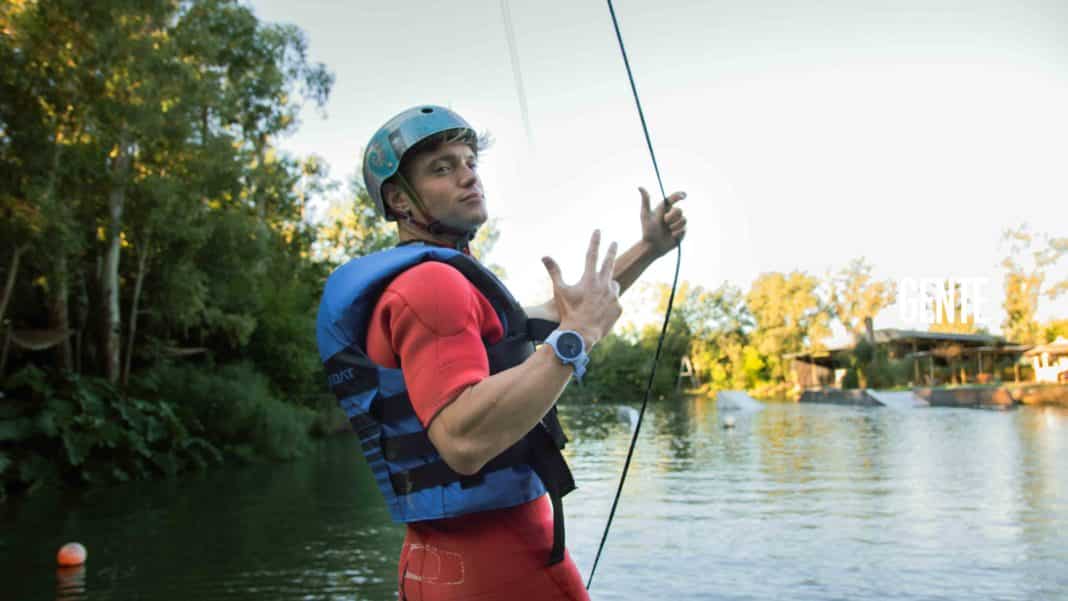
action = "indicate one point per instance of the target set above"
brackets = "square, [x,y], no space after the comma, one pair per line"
[839,501]
[805,501]
[70,583]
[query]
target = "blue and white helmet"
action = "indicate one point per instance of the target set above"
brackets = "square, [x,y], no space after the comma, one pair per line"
[384,152]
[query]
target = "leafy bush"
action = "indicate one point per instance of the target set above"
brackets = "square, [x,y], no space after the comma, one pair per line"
[61,427]
[619,366]
[851,379]
[283,344]
[234,408]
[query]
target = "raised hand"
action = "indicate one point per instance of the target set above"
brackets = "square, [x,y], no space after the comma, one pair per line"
[665,226]
[590,306]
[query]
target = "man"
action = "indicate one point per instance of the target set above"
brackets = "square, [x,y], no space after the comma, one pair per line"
[433,361]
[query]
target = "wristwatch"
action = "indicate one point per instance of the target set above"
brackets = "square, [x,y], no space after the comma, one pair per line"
[570,348]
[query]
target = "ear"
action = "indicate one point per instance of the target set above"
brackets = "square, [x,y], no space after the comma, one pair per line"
[395,198]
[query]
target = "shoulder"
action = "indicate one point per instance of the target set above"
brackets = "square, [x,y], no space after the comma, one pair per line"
[431,281]
[439,295]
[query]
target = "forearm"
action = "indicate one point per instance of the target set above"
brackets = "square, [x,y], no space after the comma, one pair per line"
[632,263]
[494,414]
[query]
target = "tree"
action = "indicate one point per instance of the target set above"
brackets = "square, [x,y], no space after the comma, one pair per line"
[352,228]
[42,118]
[483,244]
[720,344]
[1056,249]
[1025,274]
[790,316]
[855,296]
[129,127]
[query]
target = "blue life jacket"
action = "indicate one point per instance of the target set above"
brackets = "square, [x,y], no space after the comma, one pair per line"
[415,481]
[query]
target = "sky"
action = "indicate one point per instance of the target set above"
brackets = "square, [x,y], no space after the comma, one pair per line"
[910,132]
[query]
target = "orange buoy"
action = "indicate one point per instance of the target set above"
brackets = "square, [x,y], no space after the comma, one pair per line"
[71,554]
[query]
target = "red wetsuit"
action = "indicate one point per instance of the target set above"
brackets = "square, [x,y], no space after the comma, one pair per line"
[432,321]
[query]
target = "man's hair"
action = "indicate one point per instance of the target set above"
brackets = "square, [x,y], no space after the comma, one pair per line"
[477,142]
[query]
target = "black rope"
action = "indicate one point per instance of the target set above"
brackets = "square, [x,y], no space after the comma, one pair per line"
[667,314]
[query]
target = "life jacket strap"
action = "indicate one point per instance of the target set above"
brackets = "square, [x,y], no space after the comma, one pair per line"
[556,555]
[392,409]
[439,473]
[417,444]
[539,329]
[406,446]
[552,469]
[509,351]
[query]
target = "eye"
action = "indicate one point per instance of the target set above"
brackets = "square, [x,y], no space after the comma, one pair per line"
[442,169]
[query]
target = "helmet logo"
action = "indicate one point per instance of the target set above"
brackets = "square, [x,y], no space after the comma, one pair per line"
[376,158]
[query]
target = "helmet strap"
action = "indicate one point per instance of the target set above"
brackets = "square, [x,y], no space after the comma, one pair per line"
[435,228]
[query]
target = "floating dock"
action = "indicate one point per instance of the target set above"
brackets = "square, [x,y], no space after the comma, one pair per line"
[737,400]
[982,397]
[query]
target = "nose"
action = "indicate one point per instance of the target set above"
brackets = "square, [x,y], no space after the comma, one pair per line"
[468,176]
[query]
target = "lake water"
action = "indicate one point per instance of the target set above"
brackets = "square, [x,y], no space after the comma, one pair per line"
[812,502]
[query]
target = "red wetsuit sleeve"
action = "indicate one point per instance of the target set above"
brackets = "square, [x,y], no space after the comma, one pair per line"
[432,322]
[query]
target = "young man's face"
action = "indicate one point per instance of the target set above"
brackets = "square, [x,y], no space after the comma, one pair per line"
[447,182]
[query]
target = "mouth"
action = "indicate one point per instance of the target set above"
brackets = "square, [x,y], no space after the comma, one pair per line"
[472,197]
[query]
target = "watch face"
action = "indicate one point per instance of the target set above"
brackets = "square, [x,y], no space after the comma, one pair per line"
[569,344]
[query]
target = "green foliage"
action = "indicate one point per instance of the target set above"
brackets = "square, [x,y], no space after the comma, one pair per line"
[141,193]
[620,365]
[352,228]
[790,316]
[233,408]
[64,428]
[863,352]
[483,244]
[1056,328]
[283,343]
[851,380]
[869,366]
[618,372]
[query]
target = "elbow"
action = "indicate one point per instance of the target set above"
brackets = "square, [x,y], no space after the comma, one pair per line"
[457,441]
[463,455]
[466,468]
[462,463]
[463,459]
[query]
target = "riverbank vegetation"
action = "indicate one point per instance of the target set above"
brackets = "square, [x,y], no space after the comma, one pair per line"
[743,339]
[160,272]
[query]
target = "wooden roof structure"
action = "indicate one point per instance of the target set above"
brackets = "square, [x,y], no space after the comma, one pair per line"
[1055,348]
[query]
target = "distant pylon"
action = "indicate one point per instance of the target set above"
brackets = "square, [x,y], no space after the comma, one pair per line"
[686,371]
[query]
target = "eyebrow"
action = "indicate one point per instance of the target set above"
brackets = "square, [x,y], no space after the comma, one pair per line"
[453,158]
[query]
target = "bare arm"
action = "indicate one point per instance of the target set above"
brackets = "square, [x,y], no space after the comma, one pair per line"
[494,414]
[662,228]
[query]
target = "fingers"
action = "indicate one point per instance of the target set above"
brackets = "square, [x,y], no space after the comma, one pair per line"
[554,271]
[667,207]
[646,207]
[674,219]
[674,198]
[609,265]
[592,252]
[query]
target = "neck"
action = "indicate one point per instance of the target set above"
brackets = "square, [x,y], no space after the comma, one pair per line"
[409,232]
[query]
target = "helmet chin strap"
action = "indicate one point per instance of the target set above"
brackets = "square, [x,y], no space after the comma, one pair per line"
[435,227]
